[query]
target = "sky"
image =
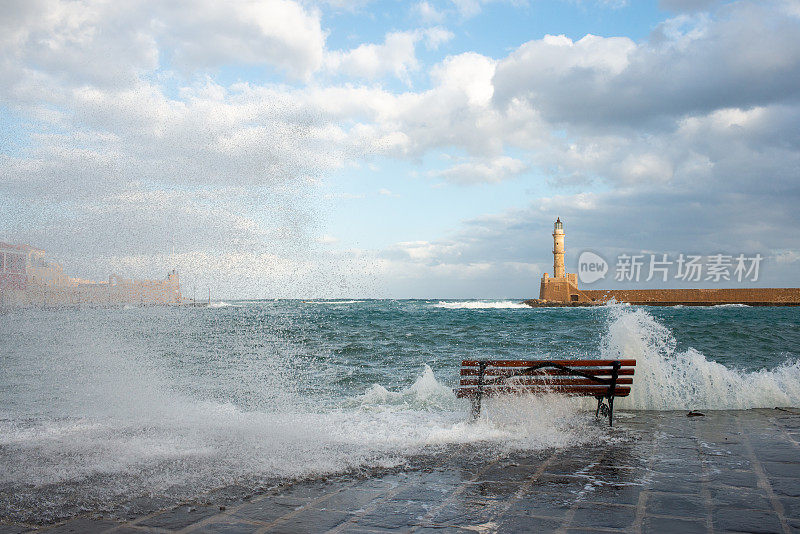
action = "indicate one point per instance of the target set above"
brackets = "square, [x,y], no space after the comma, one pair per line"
[389,149]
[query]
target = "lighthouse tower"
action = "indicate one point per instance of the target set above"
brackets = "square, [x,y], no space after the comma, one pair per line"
[558,249]
[562,288]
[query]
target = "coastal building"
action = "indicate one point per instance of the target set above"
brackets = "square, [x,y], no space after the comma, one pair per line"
[28,278]
[562,287]
[562,290]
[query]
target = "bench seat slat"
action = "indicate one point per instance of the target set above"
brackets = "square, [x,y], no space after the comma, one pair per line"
[540,381]
[621,391]
[602,373]
[568,363]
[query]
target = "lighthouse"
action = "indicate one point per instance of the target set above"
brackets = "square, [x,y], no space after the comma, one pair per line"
[562,287]
[558,249]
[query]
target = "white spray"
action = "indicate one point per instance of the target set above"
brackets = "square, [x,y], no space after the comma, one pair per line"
[669,379]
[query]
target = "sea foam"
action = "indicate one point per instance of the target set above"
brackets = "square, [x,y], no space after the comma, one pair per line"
[480,305]
[668,379]
[95,415]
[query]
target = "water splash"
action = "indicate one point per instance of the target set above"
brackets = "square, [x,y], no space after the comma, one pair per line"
[481,305]
[332,302]
[670,379]
[509,423]
[101,406]
[222,304]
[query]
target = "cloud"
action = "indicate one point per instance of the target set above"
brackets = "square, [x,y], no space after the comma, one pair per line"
[468,8]
[395,56]
[47,43]
[687,5]
[749,55]
[274,32]
[327,240]
[131,128]
[483,171]
[427,12]
[344,196]
[468,73]
[516,245]
[436,36]
[471,8]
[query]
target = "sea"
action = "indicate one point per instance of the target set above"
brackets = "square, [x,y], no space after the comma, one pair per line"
[113,410]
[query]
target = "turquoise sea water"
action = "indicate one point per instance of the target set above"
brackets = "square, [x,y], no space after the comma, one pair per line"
[101,406]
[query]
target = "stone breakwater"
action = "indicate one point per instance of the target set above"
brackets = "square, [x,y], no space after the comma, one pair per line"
[785,296]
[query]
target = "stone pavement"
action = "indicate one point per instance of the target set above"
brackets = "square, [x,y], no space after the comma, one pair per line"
[727,471]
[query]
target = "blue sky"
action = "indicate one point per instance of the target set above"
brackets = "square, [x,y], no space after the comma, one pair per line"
[299,148]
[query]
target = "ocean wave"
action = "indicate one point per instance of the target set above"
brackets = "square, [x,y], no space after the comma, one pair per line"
[184,447]
[670,379]
[426,393]
[683,306]
[109,420]
[332,301]
[428,413]
[222,304]
[480,305]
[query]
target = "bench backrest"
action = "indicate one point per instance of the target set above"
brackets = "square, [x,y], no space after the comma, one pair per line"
[567,377]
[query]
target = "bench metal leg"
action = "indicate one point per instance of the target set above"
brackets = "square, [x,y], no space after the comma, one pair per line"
[611,411]
[599,403]
[614,375]
[476,399]
[476,407]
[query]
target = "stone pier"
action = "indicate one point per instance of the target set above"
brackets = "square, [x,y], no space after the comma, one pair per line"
[663,472]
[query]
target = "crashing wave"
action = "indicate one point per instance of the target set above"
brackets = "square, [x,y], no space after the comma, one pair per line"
[480,305]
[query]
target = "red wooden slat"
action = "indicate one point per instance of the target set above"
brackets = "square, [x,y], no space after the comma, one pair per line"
[528,363]
[588,391]
[537,381]
[494,371]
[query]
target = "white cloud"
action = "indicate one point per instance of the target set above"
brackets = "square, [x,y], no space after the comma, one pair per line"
[483,171]
[648,167]
[277,32]
[702,115]
[436,36]
[687,5]
[613,4]
[327,240]
[555,65]
[422,251]
[471,8]
[684,69]
[111,44]
[468,8]
[344,196]
[395,56]
[469,73]
[427,12]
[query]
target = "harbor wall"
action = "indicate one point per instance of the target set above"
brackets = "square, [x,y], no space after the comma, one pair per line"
[787,296]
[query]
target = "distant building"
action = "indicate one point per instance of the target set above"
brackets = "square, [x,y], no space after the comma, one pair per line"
[28,278]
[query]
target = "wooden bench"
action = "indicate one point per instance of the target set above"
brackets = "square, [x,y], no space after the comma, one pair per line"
[602,379]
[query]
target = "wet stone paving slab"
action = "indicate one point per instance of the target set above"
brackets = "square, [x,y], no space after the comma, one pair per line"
[731,471]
